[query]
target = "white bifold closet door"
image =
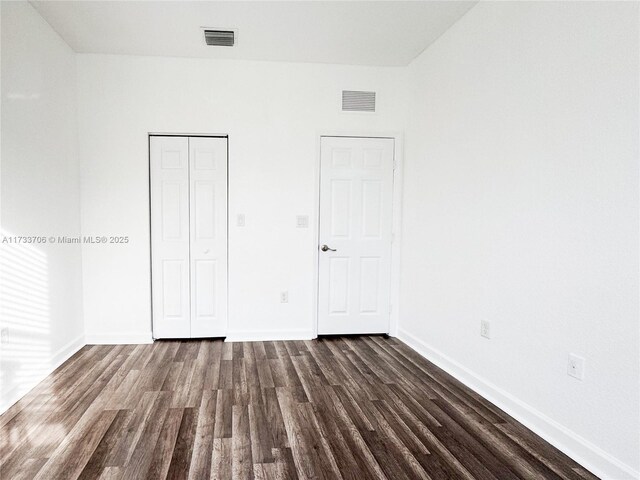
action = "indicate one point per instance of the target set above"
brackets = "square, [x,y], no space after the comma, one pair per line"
[189,236]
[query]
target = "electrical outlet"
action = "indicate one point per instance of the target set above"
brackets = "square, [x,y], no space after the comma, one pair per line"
[240,220]
[284,297]
[4,335]
[302,221]
[575,366]
[485,329]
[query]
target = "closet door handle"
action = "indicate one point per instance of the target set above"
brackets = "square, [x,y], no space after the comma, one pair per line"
[206,251]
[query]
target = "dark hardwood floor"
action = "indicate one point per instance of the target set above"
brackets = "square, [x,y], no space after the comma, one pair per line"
[353,408]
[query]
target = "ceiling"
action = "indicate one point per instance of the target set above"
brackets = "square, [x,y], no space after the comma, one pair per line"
[388,33]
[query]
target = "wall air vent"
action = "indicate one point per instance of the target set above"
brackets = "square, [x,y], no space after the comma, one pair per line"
[357,101]
[219,38]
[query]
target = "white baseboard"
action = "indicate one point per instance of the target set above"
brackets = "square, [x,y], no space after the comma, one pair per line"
[118,338]
[587,454]
[252,336]
[57,359]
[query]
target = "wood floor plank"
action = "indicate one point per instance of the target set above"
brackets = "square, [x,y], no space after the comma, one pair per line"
[323,456]
[182,389]
[29,469]
[142,454]
[357,408]
[163,450]
[122,451]
[98,460]
[212,374]
[270,350]
[445,464]
[278,372]
[174,372]
[264,374]
[224,415]
[183,449]
[353,438]
[74,452]
[242,462]
[203,445]
[221,459]
[260,434]
[275,422]
[554,459]
[110,473]
[325,422]
[300,449]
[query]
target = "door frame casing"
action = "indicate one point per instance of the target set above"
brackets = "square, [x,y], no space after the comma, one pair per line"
[173,134]
[396,223]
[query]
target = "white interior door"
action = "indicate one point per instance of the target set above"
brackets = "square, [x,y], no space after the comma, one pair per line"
[189,236]
[356,190]
[169,168]
[208,227]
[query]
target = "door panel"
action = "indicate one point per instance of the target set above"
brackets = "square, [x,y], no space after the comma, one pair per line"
[172,212]
[340,219]
[372,209]
[356,190]
[169,169]
[339,285]
[205,285]
[369,284]
[173,274]
[204,210]
[208,224]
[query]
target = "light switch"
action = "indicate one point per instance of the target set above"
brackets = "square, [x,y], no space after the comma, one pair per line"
[240,220]
[302,221]
[575,366]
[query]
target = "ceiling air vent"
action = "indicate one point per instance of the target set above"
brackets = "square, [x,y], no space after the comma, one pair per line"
[356,101]
[219,38]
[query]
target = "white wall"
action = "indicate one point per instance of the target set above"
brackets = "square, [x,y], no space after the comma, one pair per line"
[41,284]
[274,114]
[521,208]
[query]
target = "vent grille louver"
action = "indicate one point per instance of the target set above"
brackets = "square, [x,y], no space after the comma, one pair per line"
[219,38]
[358,101]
